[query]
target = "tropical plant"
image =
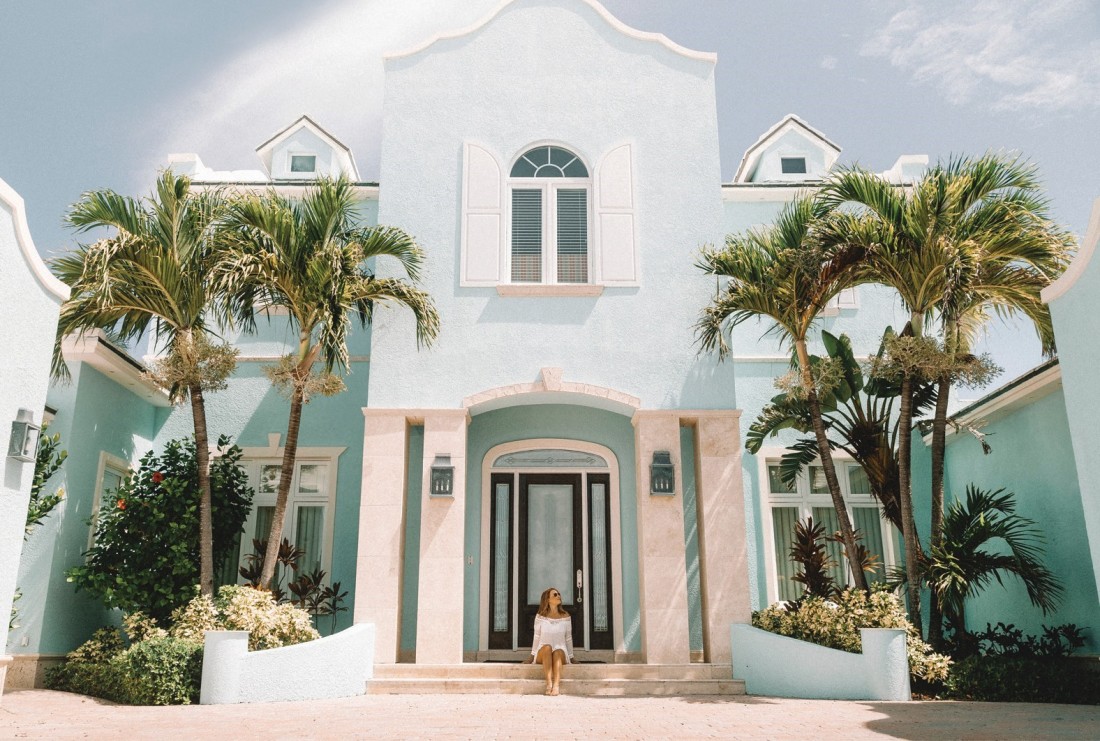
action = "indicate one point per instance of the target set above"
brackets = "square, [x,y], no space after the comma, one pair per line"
[971,555]
[145,552]
[808,550]
[782,274]
[313,259]
[153,269]
[47,462]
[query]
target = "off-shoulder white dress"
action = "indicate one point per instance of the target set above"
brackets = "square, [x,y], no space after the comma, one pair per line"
[557,633]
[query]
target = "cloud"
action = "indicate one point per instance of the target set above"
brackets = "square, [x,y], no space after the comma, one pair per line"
[1013,55]
[829,62]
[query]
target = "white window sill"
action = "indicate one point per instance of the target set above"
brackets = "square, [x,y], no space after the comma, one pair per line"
[544,290]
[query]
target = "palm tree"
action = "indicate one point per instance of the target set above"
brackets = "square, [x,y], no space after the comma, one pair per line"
[153,269]
[961,566]
[310,257]
[780,273]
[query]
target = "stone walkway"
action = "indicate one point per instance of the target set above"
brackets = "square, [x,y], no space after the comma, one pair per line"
[53,715]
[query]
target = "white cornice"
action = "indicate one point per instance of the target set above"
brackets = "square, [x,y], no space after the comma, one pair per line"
[94,349]
[46,279]
[367,192]
[611,20]
[1080,261]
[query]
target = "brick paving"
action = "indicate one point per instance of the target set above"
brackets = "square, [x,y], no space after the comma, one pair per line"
[59,715]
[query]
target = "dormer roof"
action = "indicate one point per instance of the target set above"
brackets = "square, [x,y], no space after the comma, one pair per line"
[343,160]
[790,123]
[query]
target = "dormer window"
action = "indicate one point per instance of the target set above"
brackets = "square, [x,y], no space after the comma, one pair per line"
[303,163]
[793,165]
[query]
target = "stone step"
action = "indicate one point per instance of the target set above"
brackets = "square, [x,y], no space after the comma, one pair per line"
[595,672]
[607,687]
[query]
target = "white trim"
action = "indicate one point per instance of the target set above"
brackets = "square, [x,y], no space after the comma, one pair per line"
[611,20]
[551,389]
[1080,261]
[544,290]
[93,347]
[290,189]
[46,279]
[1030,390]
[106,460]
[765,501]
[787,123]
[761,192]
[616,532]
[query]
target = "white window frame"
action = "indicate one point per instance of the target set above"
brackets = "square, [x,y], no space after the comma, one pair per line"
[847,300]
[107,462]
[805,164]
[806,500]
[291,154]
[549,234]
[253,459]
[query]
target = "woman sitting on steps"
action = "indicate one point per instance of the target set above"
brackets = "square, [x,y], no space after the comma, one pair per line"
[553,642]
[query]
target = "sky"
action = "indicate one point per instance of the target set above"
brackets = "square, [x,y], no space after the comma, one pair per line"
[96,95]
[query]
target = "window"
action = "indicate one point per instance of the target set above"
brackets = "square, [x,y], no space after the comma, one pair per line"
[809,497]
[549,191]
[793,165]
[112,472]
[303,163]
[308,513]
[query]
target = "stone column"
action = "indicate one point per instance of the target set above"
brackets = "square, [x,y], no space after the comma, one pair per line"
[442,544]
[382,529]
[662,564]
[723,560]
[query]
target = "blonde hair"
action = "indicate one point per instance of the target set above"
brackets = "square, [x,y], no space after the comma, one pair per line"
[544,603]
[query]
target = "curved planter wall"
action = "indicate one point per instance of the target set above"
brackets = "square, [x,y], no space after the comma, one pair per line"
[336,666]
[779,666]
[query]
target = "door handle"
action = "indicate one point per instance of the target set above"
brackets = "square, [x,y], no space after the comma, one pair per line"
[580,586]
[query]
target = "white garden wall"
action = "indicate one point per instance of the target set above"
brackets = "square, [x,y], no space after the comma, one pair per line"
[778,666]
[336,666]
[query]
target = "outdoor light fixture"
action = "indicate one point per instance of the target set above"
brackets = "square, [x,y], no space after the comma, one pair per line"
[443,477]
[662,474]
[24,437]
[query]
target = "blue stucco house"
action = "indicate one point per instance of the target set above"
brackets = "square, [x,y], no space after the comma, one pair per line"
[561,188]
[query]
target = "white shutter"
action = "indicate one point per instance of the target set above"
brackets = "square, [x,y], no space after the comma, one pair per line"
[615,218]
[482,217]
[847,299]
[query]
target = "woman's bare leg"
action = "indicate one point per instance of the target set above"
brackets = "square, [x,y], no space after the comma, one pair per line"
[545,657]
[559,659]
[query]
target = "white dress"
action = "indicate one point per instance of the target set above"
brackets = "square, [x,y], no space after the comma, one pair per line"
[555,633]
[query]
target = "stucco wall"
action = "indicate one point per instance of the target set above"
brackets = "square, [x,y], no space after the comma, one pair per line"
[581,82]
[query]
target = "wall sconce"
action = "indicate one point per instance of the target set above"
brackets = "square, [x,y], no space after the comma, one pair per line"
[443,477]
[23,445]
[662,474]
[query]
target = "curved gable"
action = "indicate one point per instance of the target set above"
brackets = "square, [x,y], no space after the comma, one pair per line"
[46,279]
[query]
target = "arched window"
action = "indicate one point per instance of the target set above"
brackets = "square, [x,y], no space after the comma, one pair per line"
[549,188]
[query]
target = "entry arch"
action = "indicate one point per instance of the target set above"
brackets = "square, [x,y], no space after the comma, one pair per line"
[531,444]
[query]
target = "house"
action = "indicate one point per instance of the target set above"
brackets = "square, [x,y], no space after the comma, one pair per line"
[564,429]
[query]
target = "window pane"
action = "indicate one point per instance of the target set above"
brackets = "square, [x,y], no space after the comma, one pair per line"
[858,481]
[549,540]
[775,483]
[303,163]
[599,559]
[572,235]
[269,479]
[818,484]
[308,537]
[827,516]
[793,165]
[264,516]
[869,523]
[523,168]
[311,478]
[111,481]
[501,556]
[783,520]
[227,569]
[526,236]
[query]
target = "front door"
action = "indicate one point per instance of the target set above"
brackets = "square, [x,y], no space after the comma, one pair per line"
[549,530]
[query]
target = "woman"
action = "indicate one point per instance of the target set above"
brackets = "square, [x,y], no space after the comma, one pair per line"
[553,642]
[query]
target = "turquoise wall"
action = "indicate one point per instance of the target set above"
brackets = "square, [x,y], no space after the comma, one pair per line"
[95,415]
[1032,457]
[552,421]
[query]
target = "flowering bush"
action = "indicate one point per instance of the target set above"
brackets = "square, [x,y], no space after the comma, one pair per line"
[146,552]
[269,624]
[836,625]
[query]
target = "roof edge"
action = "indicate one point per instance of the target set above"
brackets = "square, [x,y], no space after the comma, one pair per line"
[34,261]
[1080,262]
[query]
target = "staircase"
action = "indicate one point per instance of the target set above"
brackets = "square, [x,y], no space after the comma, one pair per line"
[618,680]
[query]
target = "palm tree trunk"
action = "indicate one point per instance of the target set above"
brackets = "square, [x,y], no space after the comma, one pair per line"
[935,537]
[905,490]
[290,452]
[825,453]
[202,460]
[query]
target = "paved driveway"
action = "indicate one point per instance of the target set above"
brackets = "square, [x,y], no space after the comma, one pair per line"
[45,714]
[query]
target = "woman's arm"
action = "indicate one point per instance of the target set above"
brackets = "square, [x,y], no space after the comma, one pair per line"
[569,641]
[537,640]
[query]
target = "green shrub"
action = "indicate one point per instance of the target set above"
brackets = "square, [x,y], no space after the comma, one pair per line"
[836,624]
[270,624]
[146,552]
[1015,679]
[162,671]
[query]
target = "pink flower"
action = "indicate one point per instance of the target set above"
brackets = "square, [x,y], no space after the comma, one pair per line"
[157,477]
[122,504]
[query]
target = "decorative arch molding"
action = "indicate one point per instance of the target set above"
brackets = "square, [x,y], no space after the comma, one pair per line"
[551,389]
[46,279]
[546,443]
[1081,260]
[615,23]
